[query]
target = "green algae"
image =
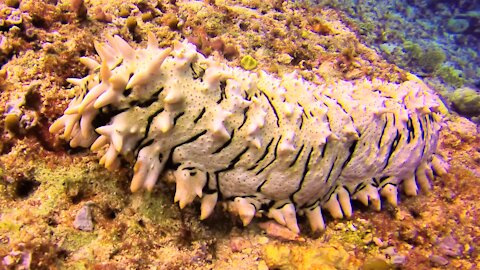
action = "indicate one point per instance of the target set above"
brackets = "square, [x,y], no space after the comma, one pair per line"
[466,101]
[131,23]
[431,59]
[456,25]
[124,11]
[12,3]
[451,75]
[154,208]
[74,239]
[53,197]
[56,185]
[413,49]
[248,63]
[9,226]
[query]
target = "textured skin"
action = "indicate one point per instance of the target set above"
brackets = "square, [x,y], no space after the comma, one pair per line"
[258,143]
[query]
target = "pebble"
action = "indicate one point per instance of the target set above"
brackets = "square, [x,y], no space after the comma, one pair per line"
[456,25]
[278,231]
[263,240]
[378,242]
[237,244]
[83,219]
[368,238]
[450,247]
[438,260]
[398,259]
[285,58]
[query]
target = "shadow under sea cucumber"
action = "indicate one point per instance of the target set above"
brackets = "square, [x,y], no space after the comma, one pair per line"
[258,143]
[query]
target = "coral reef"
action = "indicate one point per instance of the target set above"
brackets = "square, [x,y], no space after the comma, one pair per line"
[45,184]
[438,40]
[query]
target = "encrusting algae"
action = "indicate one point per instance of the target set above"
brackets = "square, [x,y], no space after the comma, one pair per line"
[45,184]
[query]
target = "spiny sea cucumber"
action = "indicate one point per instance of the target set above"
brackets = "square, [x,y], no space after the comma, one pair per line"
[258,143]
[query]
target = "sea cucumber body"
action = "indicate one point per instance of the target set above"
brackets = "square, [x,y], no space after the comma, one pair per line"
[257,142]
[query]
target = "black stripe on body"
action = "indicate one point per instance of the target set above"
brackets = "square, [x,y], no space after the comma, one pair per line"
[427,124]
[176,117]
[273,108]
[296,156]
[119,63]
[232,198]
[422,131]
[387,183]
[377,183]
[304,173]
[147,130]
[197,74]
[265,206]
[145,144]
[246,96]
[199,116]
[351,150]
[244,117]
[227,143]
[392,148]
[383,132]
[304,114]
[259,188]
[343,109]
[274,157]
[262,156]
[148,102]
[234,161]
[127,92]
[329,194]
[411,130]
[359,187]
[189,140]
[303,109]
[223,84]
[324,149]
[423,150]
[105,116]
[206,189]
[330,171]
[230,166]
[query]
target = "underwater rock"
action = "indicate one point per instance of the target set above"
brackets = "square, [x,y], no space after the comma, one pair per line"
[456,25]
[466,100]
[437,260]
[83,219]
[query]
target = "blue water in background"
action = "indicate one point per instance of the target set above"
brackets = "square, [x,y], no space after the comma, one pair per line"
[411,33]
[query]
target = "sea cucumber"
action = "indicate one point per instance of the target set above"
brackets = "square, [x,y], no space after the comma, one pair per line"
[258,143]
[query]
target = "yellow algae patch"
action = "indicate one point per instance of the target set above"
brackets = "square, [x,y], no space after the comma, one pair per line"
[289,257]
[248,62]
